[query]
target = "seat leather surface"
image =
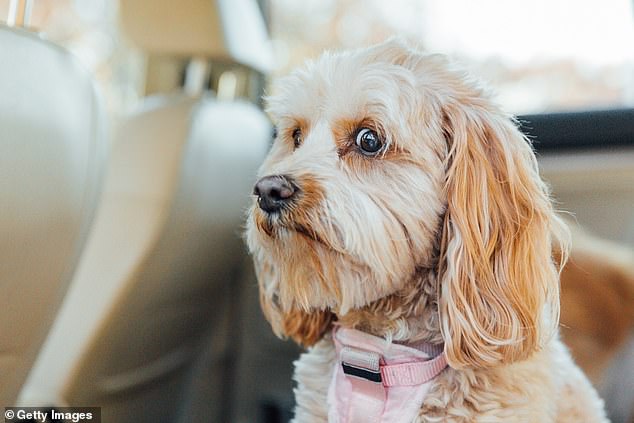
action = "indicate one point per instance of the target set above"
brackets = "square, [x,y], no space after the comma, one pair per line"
[52,154]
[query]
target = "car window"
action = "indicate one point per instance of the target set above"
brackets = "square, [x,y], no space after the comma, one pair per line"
[539,56]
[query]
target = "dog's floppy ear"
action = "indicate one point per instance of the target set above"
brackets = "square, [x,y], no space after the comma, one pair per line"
[498,293]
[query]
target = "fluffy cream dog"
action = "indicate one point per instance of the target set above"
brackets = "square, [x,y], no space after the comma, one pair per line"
[398,200]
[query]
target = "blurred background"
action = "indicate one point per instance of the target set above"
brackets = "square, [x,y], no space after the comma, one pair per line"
[154,314]
[538,57]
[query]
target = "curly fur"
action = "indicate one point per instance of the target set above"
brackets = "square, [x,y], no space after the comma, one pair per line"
[445,237]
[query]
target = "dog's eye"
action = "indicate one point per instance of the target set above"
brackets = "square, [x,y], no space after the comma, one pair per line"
[368,142]
[297,137]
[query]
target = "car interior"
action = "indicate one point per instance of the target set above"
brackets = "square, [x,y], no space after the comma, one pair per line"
[125,282]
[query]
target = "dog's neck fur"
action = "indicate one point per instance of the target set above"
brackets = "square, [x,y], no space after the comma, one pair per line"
[409,315]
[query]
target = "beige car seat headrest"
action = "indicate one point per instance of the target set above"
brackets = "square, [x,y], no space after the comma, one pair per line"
[226,30]
[52,153]
[153,281]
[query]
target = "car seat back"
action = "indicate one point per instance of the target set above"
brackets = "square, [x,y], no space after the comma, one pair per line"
[52,153]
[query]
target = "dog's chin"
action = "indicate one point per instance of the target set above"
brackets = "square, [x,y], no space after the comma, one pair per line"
[308,267]
[283,227]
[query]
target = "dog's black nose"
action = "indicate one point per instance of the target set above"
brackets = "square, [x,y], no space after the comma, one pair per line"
[273,192]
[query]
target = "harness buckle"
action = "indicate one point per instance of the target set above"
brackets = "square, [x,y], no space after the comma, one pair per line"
[362,364]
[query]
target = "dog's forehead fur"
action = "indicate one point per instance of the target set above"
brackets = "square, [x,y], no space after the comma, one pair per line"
[387,85]
[343,86]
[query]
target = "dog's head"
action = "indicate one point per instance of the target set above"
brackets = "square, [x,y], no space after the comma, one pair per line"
[387,161]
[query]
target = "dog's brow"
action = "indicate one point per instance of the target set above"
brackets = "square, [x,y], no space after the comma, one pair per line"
[343,129]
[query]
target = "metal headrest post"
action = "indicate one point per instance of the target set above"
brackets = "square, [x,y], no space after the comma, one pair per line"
[196,76]
[20,20]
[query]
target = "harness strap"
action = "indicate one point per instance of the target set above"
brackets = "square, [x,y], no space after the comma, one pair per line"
[363,369]
[370,377]
[416,373]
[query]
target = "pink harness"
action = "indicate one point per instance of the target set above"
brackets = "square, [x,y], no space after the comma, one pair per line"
[376,381]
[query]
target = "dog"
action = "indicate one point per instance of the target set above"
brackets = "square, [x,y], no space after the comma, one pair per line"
[401,232]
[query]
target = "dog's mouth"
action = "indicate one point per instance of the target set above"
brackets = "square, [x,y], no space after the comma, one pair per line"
[311,234]
[286,205]
[275,224]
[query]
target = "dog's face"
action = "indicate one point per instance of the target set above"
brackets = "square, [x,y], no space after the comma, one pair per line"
[387,162]
[366,174]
